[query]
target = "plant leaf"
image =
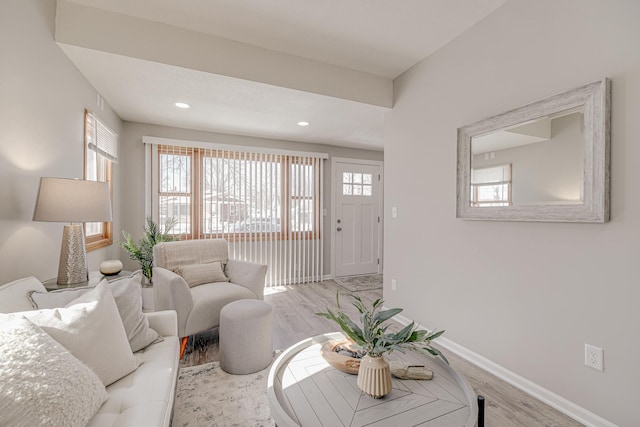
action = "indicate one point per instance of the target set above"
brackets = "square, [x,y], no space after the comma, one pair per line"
[386,315]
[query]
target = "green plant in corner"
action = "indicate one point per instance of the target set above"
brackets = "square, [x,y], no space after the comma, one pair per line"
[372,335]
[142,251]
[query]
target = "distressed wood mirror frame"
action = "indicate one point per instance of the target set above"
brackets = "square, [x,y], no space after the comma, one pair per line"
[594,100]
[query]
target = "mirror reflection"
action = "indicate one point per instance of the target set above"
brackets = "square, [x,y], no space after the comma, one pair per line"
[539,162]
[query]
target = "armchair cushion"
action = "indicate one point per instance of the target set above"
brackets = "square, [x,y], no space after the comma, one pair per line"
[208,300]
[199,274]
[171,255]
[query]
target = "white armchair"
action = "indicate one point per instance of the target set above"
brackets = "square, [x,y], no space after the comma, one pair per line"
[198,307]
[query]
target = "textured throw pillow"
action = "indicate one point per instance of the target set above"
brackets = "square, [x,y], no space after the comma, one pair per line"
[127,294]
[41,382]
[199,274]
[91,329]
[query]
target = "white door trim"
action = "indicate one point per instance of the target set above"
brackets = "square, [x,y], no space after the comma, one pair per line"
[332,220]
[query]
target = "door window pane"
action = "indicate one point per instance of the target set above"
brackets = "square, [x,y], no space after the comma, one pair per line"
[357,184]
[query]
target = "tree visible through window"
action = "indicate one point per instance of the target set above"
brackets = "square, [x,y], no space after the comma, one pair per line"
[238,194]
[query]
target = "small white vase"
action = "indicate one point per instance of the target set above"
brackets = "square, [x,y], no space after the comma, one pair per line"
[147,299]
[374,376]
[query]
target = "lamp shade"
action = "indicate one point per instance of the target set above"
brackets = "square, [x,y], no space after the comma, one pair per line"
[72,200]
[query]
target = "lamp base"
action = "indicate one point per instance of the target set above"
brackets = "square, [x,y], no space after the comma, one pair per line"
[73,256]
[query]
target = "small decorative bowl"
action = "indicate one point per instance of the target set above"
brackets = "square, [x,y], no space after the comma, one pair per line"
[346,364]
[111,267]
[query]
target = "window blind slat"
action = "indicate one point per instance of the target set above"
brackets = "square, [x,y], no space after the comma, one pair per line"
[102,140]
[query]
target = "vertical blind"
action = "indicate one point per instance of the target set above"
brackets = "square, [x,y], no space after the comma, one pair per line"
[267,206]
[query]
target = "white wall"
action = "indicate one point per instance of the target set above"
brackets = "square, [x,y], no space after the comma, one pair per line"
[545,171]
[132,152]
[527,295]
[43,97]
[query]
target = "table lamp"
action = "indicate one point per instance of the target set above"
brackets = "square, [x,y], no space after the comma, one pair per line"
[75,201]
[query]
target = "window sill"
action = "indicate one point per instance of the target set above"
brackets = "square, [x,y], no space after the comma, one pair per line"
[97,244]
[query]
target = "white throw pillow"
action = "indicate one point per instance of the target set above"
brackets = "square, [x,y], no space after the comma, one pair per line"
[91,329]
[127,293]
[199,274]
[41,383]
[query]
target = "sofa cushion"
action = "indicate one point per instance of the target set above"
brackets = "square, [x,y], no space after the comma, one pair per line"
[91,329]
[199,274]
[127,294]
[144,397]
[14,294]
[42,383]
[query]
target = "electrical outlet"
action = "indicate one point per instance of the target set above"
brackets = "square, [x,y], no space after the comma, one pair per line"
[393,284]
[594,357]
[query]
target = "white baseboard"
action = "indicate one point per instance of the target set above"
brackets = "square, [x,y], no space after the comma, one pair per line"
[552,399]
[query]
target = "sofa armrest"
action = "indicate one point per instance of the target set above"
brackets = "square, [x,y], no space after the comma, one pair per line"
[164,322]
[248,274]
[171,292]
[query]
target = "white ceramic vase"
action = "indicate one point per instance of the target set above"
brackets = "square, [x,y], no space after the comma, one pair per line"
[374,376]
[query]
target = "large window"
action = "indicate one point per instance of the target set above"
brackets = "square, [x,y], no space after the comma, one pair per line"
[491,186]
[238,195]
[100,153]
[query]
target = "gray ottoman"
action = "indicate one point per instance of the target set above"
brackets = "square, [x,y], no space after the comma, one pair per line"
[246,341]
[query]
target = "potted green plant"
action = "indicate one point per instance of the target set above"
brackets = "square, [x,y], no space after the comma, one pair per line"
[372,337]
[142,250]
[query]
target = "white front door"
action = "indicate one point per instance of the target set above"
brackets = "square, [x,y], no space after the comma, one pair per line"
[357,219]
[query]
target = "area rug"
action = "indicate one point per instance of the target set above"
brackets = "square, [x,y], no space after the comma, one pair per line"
[208,396]
[360,283]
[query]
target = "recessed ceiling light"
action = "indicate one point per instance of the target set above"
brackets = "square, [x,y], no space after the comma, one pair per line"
[182,105]
[303,123]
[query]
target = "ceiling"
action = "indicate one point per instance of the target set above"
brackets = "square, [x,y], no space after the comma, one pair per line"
[339,55]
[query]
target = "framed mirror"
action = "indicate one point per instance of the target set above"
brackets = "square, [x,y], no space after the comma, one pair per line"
[546,161]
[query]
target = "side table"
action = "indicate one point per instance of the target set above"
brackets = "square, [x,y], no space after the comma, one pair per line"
[304,390]
[94,278]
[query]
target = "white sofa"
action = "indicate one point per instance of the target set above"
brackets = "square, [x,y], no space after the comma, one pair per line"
[144,397]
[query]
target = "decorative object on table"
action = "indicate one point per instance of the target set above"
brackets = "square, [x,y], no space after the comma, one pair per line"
[372,337]
[111,267]
[142,251]
[74,201]
[342,355]
[405,371]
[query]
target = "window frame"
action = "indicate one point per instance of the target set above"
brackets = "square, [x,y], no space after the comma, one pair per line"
[105,237]
[493,203]
[285,193]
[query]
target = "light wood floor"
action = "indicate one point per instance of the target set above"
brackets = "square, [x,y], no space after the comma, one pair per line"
[294,320]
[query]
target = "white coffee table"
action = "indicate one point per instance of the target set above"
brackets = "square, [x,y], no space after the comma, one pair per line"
[304,390]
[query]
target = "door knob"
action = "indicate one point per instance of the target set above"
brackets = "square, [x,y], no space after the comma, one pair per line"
[339,221]
[339,228]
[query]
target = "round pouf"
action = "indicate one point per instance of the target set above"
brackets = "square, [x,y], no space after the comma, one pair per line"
[246,341]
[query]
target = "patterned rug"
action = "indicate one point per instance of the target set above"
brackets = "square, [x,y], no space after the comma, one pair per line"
[360,283]
[208,396]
